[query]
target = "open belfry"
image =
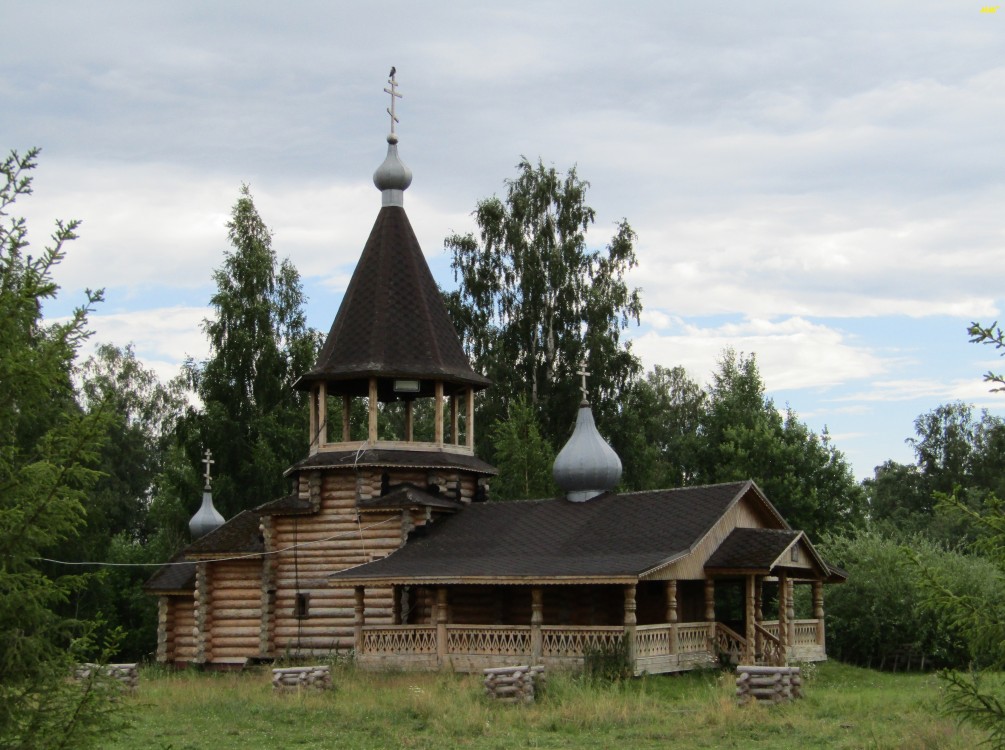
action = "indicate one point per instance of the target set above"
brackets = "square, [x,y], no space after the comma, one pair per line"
[387,547]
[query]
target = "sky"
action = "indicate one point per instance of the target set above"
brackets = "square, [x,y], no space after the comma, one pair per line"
[819,184]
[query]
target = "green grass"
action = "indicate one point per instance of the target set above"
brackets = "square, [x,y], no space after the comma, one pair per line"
[845,707]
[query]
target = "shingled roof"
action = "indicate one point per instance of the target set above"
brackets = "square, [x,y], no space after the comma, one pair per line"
[399,458]
[393,321]
[756,549]
[175,575]
[611,537]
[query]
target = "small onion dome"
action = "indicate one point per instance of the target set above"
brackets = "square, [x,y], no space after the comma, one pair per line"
[392,177]
[587,466]
[207,518]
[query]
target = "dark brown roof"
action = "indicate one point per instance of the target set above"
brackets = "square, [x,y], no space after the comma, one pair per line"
[289,505]
[410,496]
[240,534]
[176,575]
[417,459]
[611,536]
[393,321]
[755,549]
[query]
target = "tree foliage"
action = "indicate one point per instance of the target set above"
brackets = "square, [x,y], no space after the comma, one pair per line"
[957,452]
[742,435]
[887,606]
[48,452]
[523,457]
[252,419]
[534,301]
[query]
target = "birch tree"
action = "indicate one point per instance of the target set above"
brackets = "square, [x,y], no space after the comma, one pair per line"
[534,301]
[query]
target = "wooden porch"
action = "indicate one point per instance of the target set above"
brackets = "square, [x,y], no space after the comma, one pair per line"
[653,649]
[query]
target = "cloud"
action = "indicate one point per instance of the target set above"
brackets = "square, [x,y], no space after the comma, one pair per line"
[792,353]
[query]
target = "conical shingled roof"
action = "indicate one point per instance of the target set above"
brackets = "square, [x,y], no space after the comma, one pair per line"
[392,321]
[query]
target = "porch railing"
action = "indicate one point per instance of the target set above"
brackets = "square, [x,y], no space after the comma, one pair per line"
[564,643]
[558,640]
[399,639]
[504,640]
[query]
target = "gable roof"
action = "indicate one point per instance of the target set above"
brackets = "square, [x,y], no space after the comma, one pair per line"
[611,537]
[763,550]
[392,321]
[752,548]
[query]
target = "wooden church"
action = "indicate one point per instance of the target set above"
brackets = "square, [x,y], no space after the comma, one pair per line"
[390,549]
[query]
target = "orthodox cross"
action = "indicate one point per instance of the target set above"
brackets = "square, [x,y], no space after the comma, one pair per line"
[393,91]
[583,373]
[208,460]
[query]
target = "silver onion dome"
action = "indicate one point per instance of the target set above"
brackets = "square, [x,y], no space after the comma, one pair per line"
[207,518]
[586,466]
[392,177]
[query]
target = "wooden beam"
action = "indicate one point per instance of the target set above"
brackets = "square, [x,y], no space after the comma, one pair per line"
[749,619]
[372,436]
[440,611]
[469,426]
[454,421]
[671,613]
[346,411]
[536,621]
[630,622]
[818,611]
[359,619]
[409,431]
[438,415]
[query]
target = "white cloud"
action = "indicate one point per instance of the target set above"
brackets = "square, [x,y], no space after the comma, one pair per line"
[791,353]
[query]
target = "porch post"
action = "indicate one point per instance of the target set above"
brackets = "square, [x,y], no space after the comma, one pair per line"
[536,620]
[672,614]
[469,423]
[372,429]
[360,619]
[395,606]
[630,622]
[818,612]
[783,618]
[438,415]
[790,599]
[758,614]
[441,625]
[750,609]
[346,411]
[710,610]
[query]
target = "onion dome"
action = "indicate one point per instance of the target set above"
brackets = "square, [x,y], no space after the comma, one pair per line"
[392,177]
[587,465]
[207,518]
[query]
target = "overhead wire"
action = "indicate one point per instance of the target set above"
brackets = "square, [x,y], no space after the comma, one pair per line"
[246,556]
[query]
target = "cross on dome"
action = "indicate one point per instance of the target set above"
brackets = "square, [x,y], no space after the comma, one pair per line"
[208,460]
[583,372]
[393,91]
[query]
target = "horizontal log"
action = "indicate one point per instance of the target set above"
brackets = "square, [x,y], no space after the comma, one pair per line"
[767,670]
[225,653]
[249,631]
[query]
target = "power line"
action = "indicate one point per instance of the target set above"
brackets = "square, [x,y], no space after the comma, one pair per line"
[346,534]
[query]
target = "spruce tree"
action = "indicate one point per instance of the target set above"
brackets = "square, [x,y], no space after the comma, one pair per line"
[252,419]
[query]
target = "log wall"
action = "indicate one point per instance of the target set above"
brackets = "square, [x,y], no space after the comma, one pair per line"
[235,606]
[181,629]
[333,539]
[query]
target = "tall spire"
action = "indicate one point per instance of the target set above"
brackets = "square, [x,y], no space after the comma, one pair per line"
[207,518]
[392,177]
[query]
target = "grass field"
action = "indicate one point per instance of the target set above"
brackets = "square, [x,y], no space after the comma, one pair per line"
[845,707]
